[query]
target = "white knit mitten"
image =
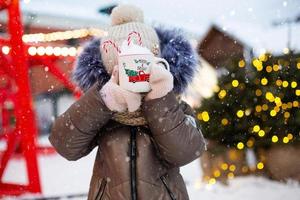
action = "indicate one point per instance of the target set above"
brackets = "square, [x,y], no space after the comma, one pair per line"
[161,82]
[117,98]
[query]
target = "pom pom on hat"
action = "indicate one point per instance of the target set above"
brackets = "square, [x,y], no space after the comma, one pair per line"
[126,19]
[126,13]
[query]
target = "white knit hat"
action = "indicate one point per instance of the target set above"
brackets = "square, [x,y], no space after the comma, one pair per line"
[124,20]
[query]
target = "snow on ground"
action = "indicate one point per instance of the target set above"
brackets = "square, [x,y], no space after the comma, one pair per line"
[61,177]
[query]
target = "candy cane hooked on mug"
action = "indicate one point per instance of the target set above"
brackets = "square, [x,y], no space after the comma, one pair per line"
[137,34]
[109,42]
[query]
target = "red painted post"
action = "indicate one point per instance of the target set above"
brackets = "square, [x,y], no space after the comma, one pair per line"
[25,119]
[16,65]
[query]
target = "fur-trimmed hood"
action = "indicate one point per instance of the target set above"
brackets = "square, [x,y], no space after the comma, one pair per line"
[174,47]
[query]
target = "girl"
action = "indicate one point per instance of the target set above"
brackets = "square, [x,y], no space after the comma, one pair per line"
[142,140]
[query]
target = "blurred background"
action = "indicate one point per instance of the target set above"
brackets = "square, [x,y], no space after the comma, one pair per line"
[246,93]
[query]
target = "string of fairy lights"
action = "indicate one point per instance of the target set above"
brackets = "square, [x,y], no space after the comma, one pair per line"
[63,35]
[47,51]
[56,36]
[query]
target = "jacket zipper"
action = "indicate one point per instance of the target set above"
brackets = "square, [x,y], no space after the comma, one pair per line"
[133,155]
[164,181]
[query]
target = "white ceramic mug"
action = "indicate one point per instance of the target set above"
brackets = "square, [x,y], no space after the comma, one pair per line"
[134,71]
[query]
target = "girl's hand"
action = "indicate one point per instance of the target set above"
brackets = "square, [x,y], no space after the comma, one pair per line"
[117,98]
[161,82]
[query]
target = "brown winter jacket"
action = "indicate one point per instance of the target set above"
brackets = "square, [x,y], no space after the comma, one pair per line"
[169,141]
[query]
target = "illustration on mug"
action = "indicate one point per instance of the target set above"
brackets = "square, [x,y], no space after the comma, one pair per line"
[138,75]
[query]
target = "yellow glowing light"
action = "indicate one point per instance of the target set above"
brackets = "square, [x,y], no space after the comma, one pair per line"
[222,94]
[263,57]
[265,107]
[258,108]
[230,175]
[258,92]
[277,108]
[273,113]
[240,113]
[224,121]
[275,68]
[217,173]
[278,82]
[261,133]
[290,136]
[285,84]
[298,65]
[256,128]
[277,100]
[264,81]
[240,145]
[250,143]
[205,116]
[260,165]
[271,99]
[274,138]
[297,92]
[284,106]
[232,168]
[258,64]
[293,84]
[269,69]
[199,116]
[242,63]
[224,166]
[295,103]
[290,104]
[269,96]
[212,181]
[287,114]
[235,83]
[285,140]
[259,68]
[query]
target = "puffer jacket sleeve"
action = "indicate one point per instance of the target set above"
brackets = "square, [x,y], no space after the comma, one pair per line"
[74,133]
[175,133]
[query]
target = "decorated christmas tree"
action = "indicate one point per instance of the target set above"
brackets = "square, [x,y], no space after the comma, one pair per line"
[255,104]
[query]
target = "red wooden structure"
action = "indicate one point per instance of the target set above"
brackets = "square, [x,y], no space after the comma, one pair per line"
[16,100]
